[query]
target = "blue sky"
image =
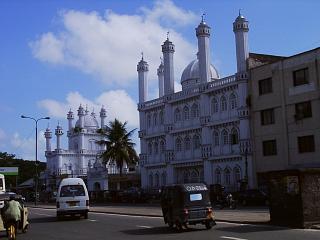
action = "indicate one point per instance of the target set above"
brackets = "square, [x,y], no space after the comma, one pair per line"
[57,54]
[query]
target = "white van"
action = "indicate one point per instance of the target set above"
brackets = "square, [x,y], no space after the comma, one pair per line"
[72,198]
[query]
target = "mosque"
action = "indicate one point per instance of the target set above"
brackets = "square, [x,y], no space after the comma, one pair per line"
[202,133]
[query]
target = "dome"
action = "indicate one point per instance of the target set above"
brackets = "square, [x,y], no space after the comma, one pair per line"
[90,122]
[191,72]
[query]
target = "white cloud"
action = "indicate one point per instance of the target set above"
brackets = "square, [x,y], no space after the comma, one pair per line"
[108,47]
[2,135]
[117,103]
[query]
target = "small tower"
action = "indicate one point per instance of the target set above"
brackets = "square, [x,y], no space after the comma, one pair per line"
[168,51]
[48,136]
[103,116]
[70,118]
[203,35]
[143,69]
[160,73]
[241,29]
[58,133]
[81,114]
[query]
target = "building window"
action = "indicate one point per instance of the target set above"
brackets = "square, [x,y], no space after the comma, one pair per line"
[233,101]
[216,138]
[196,142]
[155,119]
[267,116]
[300,77]
[234,137]
[178,145]
[227,177]
[306,144]
[156,148]
[269,147]
[156,180]
[224,137]
[187,143]
[223,104]
[303,110]
[150,148]
[161,117]
[218,176]
[195,111]
[162,146]
[163,179]
[237,174]
[177,115]
[214,106]
[186,113]
[149,120]
[265,86]
[151,180]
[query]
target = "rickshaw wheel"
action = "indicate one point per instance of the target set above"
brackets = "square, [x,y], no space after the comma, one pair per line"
[185,225]
[25,229]
[170,224]
[209,224]
[179,226]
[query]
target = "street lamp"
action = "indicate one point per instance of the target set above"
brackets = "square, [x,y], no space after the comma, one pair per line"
[36,165]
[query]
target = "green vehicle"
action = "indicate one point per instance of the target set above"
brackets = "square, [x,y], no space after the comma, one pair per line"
[187,204]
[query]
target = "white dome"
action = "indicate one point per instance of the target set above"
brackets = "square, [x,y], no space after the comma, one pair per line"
[90,122]
[191,72]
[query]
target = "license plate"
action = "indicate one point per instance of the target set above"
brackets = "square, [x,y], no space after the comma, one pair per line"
[72,204]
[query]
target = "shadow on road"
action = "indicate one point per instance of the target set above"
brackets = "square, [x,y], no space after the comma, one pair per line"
[158,230]
[250,228]
[52,219]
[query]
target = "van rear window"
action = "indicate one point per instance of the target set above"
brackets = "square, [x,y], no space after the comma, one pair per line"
[72,191]
[195,197]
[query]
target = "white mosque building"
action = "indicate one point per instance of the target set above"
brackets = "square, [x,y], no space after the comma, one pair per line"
[200,134]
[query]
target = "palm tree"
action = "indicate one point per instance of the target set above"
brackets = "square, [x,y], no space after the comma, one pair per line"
[119,145]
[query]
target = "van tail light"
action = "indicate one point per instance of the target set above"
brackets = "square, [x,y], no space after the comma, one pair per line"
[87,203]
[185,211]
[58,205]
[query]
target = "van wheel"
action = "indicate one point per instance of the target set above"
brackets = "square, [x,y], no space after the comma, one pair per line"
[179,226]
[86,215]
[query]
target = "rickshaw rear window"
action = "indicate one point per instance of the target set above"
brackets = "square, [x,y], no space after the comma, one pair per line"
[195,197]
[72,190]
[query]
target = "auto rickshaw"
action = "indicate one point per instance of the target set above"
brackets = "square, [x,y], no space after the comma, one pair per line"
[184,204]
[23,226]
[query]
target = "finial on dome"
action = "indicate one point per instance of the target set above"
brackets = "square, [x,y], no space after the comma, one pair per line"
[202,17]
[239,12]
[142,56]
[168,35]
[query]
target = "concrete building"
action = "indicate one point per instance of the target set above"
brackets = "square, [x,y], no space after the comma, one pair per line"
[202,133]
[285,110]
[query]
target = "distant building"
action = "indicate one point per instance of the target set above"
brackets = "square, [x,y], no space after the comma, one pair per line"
[285,110]
[202,133]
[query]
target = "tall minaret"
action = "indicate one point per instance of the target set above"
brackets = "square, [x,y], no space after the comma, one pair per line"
[103,115]
[58,133]
[168,50]
[160,72]
[81,114]
[48,136]
[143,69]
[203,35]
[241,29]
[70,118]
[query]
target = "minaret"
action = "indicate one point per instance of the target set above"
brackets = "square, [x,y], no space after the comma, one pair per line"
[103,115]
[203,35]
[160,72]
[168,50]
[48,136]
[143,69]
[241,29]
[70,118]
[81,114]
[58,133]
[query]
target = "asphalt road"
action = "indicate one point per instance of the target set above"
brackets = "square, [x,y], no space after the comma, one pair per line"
[43,225]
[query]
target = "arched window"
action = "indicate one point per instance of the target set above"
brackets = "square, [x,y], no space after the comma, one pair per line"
[162,146]
[186,176]
[186,113]
[227,177]
[223,103]
[237,174]
[218,176]
[224,137]
[151,180]
[150,148]
[156,180]
[156,148]
[163,179]
[187,143]
[234,136]
[155,119]
[178,145]
[177,115]
[194,176]
[233,101]
[196,142]
[161,117]
[214,106]
[216,138]
[149,120]
[195,111]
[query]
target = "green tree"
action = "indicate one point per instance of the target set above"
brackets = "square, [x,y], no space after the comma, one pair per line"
[120,147]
